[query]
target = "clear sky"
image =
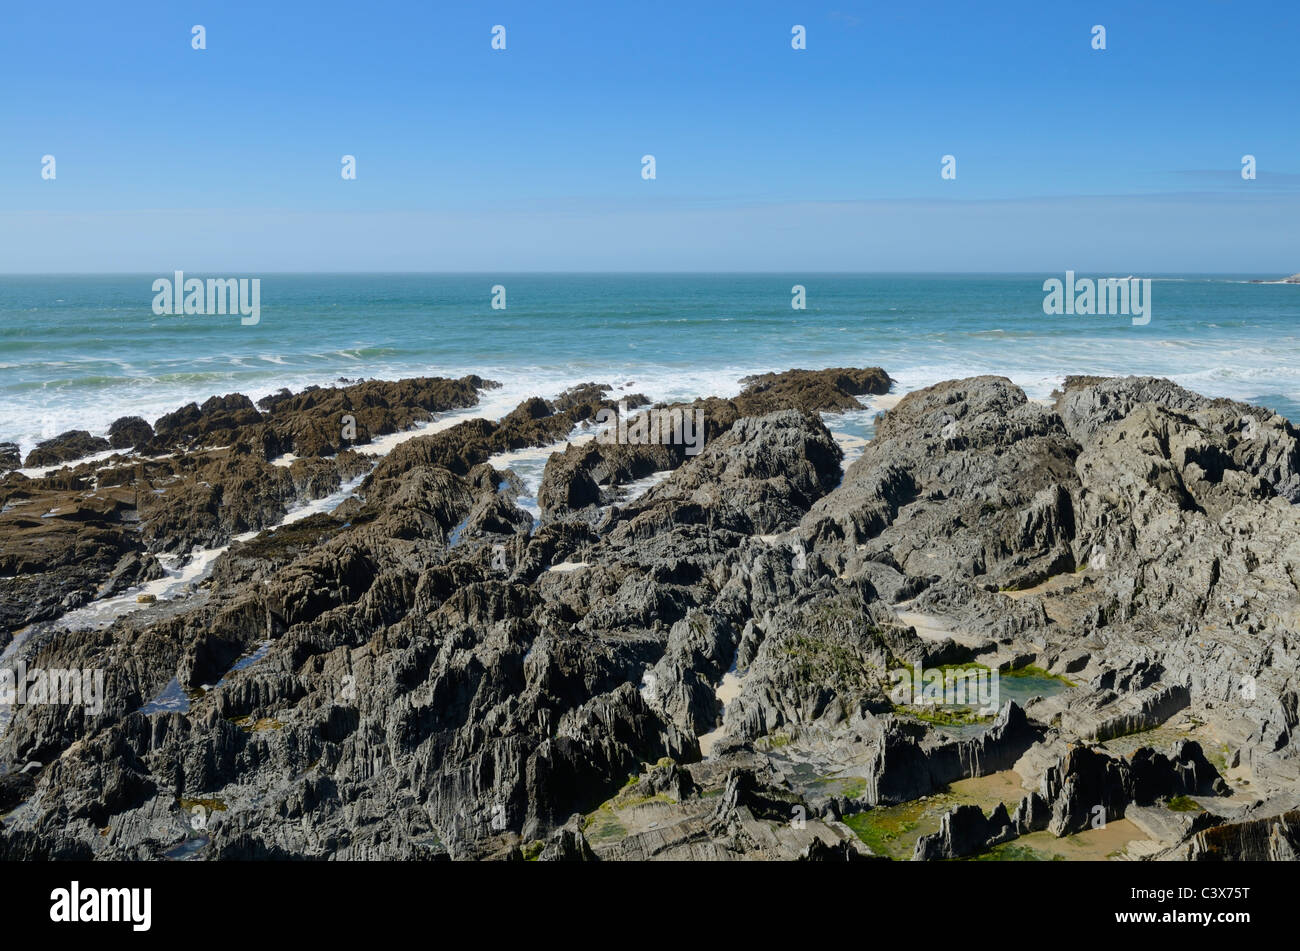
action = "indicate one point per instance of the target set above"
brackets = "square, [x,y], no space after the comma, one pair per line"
[767,158]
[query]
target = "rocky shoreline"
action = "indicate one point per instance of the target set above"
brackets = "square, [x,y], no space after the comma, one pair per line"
[386,656]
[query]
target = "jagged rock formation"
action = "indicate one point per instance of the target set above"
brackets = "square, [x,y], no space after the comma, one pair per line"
[1085,789]
[74,444]
[1272,839]
[129,432]
[586,474]
[905,769]
[425,672]
[966,831]
[95,529]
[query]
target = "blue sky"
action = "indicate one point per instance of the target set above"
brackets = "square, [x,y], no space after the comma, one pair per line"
[767,158]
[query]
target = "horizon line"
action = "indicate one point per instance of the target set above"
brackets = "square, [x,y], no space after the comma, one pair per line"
[666,272]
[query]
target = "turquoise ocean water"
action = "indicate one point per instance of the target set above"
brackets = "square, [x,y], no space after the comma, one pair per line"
[79,351]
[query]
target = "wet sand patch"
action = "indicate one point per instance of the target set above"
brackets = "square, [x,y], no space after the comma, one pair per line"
[727,691]
[1119,840]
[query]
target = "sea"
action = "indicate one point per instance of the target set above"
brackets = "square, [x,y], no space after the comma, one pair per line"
[78,351]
